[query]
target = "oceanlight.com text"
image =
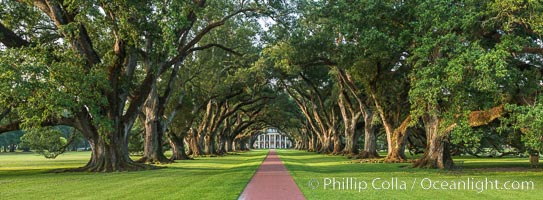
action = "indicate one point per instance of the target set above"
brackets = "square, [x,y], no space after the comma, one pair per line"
[395,183]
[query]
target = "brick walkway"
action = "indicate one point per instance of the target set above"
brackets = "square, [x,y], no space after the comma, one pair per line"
[271,181]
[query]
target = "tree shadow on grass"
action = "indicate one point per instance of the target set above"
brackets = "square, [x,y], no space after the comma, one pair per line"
[205,165]
[22,172]
[301,161]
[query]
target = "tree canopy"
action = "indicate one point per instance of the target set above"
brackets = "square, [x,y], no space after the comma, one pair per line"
[204,77]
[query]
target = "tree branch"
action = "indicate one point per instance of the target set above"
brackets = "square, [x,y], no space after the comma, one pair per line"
[139,97]
[319,96]
[534,50]
[316,62]
[207,46]
[10,39]
[4,113]
[184,50]
[81,42]
[169,89]
[16,125]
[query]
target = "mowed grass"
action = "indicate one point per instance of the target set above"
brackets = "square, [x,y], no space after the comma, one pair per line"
[384,181]
[29,176]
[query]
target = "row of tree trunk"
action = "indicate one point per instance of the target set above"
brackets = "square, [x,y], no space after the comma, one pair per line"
[320,132]
[223,128]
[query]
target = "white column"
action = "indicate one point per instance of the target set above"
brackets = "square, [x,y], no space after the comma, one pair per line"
[258,142]
[264,144]
[274,141]
[269,141]
[262,141]
[280,144]
[277,144]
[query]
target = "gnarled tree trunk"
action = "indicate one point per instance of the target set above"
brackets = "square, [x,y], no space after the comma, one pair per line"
[351,140]
[370,141]
[534,159]
[325,144]
[194,146]
[350,112]
[229,144]
[240,144]
[152,148]
[313,142]
[338,147]
[302,143]
[109,149]
[178,148]
[397,142]
[107,157]
[396,136]
[221,147]
[437,153]
[209,145]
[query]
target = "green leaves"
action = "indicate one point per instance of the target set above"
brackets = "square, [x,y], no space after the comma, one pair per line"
[455,65]
[48,142]
[529,120]
[52,81]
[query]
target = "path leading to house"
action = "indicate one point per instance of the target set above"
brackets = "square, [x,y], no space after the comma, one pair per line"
[271,181]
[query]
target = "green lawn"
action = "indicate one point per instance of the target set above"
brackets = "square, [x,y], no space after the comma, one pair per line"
[313,171]
[28,176]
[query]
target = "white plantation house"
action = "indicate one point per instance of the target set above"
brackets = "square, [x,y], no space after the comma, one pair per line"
[272,139]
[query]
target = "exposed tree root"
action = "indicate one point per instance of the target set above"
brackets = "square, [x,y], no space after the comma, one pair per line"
[132,166]
[156,160]
[365,155]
